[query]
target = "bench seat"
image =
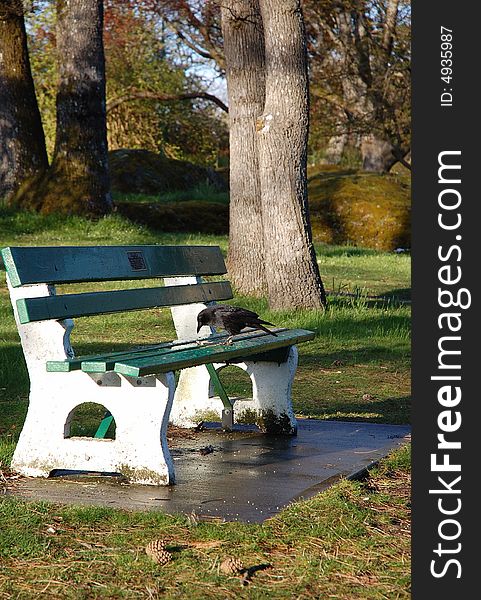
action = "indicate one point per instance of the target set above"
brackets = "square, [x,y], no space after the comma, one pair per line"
[173,356]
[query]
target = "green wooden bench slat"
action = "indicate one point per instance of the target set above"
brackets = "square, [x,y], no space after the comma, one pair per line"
[278,355]
[101,363]
[95,303]
[101,360]
[69,264]
[162,362]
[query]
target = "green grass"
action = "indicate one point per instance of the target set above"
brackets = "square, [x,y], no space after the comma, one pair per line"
[349,542]
[365,271]
[22,228]
[201,192]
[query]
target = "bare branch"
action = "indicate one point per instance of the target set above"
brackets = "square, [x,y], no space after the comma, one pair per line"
[190,44]
[148,95]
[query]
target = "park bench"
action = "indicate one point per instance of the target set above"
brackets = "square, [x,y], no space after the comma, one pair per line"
[136,387]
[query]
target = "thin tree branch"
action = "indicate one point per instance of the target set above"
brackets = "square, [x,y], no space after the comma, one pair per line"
[200,42]
[398,154]
[147,95]
[191,45]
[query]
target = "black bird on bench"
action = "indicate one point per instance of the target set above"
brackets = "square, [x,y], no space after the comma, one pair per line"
[231,318]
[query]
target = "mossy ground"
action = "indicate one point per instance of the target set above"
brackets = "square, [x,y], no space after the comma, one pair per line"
[346,207]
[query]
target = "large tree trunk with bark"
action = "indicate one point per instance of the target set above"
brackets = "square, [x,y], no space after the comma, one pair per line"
[244,55]
[22,143]
[377,153]
[77,181]
[360,83]
[335,149]
[292,271]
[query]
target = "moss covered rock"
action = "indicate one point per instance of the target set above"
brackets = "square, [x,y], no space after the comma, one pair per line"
[145,172]
[346,206]
[363,209]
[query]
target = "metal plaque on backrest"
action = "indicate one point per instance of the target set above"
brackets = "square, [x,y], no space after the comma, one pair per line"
[137,261]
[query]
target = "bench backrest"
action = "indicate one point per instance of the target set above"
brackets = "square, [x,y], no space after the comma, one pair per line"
[27,266]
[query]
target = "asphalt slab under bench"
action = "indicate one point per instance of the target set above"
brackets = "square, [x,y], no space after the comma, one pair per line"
[240,476]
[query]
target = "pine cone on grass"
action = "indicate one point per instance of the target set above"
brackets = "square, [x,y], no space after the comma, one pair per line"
[231,566]
[157,552]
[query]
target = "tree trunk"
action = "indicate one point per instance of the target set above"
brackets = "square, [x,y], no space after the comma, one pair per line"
[389,28]
[22,143]
[377,154]
[244,56]
[292,272]
[77,181]
[335,149]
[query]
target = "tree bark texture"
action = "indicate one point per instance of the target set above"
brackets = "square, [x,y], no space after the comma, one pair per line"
[335,149]
[22,143]
[292,271]
[377,150]
[77,181]
[244,54]
[389,29]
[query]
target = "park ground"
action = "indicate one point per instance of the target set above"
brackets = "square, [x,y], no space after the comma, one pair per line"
[350,542]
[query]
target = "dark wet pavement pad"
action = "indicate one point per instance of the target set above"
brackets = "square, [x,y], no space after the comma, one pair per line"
[244,475]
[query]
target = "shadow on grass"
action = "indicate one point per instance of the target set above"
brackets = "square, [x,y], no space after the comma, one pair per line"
[371,354]
[19,223]
[357,327]
[395,411]
[401,294]
[190,216]
[13,373]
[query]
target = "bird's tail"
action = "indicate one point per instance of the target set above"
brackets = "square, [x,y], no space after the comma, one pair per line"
[259,326]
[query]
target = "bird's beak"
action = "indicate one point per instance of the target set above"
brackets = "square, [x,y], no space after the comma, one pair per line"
[199,325]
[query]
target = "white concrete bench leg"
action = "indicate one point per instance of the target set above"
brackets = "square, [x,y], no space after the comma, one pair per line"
[270,407]
[140,408]
[194,399]
[271,404]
